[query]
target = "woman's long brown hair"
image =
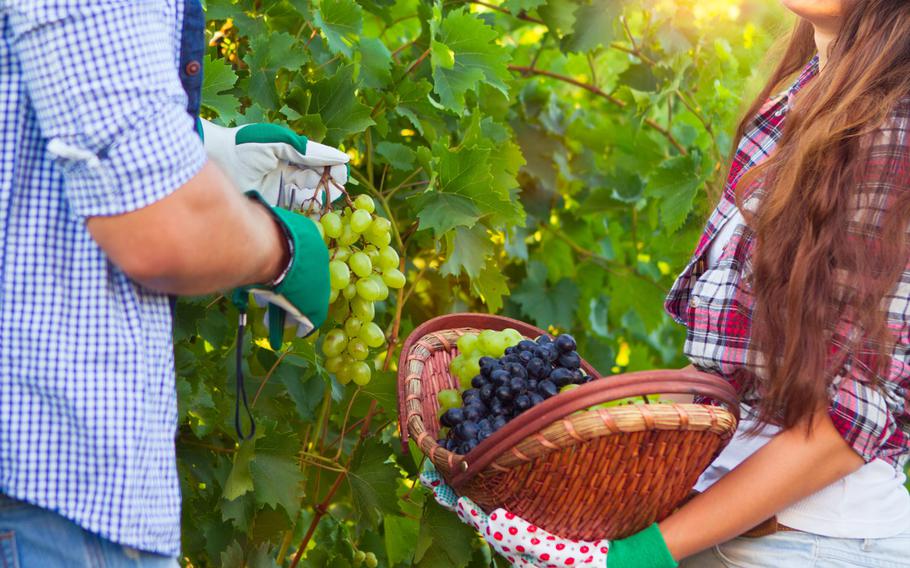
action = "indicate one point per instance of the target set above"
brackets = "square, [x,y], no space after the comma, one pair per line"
[824,260]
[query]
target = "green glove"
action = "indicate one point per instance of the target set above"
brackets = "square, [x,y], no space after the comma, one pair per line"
[302,292]
[645,549]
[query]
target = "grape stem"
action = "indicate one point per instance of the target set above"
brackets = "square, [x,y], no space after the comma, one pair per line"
[405,183]
[344,424]
[268,376]
[322,508]
[385,205]
[396,324]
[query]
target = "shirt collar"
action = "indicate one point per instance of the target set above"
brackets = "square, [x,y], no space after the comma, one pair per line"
[809,72]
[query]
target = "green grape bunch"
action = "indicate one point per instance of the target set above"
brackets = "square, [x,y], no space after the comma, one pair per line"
[473,346]
[363,267]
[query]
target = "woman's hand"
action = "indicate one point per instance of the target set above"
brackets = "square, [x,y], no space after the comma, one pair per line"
[793,465]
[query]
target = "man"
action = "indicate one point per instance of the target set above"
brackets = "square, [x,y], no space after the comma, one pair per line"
[107,206]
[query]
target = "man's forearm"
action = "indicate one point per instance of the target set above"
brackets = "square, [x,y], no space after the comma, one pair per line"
[790,467]
[204,237]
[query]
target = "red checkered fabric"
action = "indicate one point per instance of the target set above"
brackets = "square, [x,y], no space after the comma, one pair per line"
[715,302]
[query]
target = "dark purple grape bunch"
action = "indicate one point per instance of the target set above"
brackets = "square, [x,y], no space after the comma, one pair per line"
[525,376]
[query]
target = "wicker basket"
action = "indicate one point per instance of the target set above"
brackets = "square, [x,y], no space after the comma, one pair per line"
[604,473]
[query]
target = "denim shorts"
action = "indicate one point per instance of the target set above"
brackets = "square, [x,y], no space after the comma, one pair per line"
[31,537]
[804,550]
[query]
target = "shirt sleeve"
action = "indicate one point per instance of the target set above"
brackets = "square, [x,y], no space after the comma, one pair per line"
[102,79]
[862,414]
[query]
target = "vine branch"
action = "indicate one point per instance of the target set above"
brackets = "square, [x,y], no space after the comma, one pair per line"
[523,16]
[602,94]
[607,264]
[323,506]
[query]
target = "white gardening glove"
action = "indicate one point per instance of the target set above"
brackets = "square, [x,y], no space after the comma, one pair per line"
[285,168]
[518,541]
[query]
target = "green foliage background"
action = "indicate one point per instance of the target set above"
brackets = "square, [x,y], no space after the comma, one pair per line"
[547,159]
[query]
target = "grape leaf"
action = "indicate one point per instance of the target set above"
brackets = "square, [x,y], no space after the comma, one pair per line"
[441,55]
[373,481]
[378,7]
[466,249]
[675,183]
[642,297]
[397,155]
[558,15]
[277,482]
[442,212]
[269,53]
[219,77]
[475,57]
[639,77]
[400,536]
[593,25]
[491,285]
[305,389]
[443,541]
[333,101]
[414,104]
[467,192]
[383,388]
[375,63]
[341,21]
[547,305]
[240,481]
[558,258]
[232,557]
[260,558]
[239,511]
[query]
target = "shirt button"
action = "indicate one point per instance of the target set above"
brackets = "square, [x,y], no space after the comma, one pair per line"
[192,68]
[694,303]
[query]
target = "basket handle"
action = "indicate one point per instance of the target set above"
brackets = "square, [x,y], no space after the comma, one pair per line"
[672,381]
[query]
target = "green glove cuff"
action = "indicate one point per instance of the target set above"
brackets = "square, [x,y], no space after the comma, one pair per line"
[645,549]
[261,133]
[306,283]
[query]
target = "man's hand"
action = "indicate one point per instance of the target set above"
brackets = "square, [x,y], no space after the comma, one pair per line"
[285,168]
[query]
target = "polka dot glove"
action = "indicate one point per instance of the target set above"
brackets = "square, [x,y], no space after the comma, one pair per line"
[519,542]
[524,544]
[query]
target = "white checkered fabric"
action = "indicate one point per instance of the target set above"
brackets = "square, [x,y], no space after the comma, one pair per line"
[93,123]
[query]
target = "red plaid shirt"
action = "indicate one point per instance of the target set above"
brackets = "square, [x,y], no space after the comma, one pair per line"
[715,303]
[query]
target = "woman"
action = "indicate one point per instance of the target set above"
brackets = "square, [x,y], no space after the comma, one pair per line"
[799,295]
[801,278]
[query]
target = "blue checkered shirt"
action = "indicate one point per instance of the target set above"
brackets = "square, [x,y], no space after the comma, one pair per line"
[94,123]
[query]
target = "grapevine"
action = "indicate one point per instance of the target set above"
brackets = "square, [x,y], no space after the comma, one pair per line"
[543,159]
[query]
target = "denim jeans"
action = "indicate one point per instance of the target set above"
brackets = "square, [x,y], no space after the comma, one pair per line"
[31,537]
[804,550]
